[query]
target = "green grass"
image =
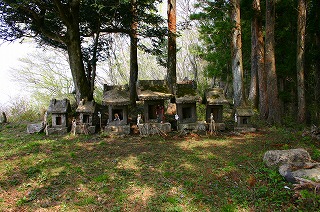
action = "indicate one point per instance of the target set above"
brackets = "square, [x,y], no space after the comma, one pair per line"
[98,173]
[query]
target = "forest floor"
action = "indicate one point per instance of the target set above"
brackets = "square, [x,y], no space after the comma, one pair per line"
[224,172]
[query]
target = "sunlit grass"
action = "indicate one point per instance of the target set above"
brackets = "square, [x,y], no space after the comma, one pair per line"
[92,173]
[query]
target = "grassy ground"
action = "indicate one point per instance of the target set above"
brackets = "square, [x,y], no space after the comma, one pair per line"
[95,173]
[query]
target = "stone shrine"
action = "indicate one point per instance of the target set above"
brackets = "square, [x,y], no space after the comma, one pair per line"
[186,104]
[117,99]
[214,100]
[87,117]
[59,110]
[242,117]
[153,93]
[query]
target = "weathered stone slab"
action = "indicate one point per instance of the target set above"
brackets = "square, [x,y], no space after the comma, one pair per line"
[154,128]
[311,174]
[119,130]
[85,129]
[279,157]
[35,128]
[56,130]
[244,129]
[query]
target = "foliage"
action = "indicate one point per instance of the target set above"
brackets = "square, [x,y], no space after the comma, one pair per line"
[215,32]
[80,27]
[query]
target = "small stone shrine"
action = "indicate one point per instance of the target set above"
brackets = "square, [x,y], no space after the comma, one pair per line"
[153,93]
[242,117]
[214,100]
[87,117]
[59,110]
[186,104]
[117,99]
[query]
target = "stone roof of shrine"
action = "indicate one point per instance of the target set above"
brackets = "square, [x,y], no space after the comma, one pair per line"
[86,107]
[215,96]
[187,92]
[153,90]
[116,95]
[59,106]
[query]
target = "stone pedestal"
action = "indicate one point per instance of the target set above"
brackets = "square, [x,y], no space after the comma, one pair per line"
[219,126]
[118,130]
[196,126]
[84,129]
[244,129]
[154,128]
[57,130]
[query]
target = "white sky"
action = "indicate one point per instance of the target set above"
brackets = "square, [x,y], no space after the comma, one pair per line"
[9,55]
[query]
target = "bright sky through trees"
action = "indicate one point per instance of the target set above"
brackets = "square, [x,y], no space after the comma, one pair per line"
[9,55]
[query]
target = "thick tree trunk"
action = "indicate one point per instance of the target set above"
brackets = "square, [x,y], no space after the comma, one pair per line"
[258,58]
[237,66]
[317,76]
[82,86]
[302,17]
[172,46]
[253,92]
[133,54]
[316,36]
[270,65]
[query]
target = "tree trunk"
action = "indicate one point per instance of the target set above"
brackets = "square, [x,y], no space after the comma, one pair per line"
[253,92]
[73,43]
[133,54]
[172,46]
[317,76]
[258,58]
[302,16]
[270,65]
[237,66]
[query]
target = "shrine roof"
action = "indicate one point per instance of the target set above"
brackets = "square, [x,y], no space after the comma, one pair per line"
[153,90]
[215,96]
[86,107]
[59,106]
[116,95]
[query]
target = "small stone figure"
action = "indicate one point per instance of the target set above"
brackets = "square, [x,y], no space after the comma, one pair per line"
[138,119]
[116,117]
[3,118]
[160,113]
[74,126]
[99,115]
[212,124]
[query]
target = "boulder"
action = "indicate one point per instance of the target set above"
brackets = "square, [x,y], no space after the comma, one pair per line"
[35,128]
[280,157]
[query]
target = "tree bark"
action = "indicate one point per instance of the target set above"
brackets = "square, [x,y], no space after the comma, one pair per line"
[81,83]
[253,92]
[302,17]
[270,65]
[237,66]
[133,54]
[257,58]
[172,46]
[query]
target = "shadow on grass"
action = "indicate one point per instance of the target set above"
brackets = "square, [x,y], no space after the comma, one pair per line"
[221,173]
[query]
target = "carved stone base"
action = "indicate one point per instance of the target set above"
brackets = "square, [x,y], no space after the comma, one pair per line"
[154,128]
[84,129]
[244,129]
[57,130]
[196,126]
[219,126]
[118,130]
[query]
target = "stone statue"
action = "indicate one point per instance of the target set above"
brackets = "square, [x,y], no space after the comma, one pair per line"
[139,119]
[212,124]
